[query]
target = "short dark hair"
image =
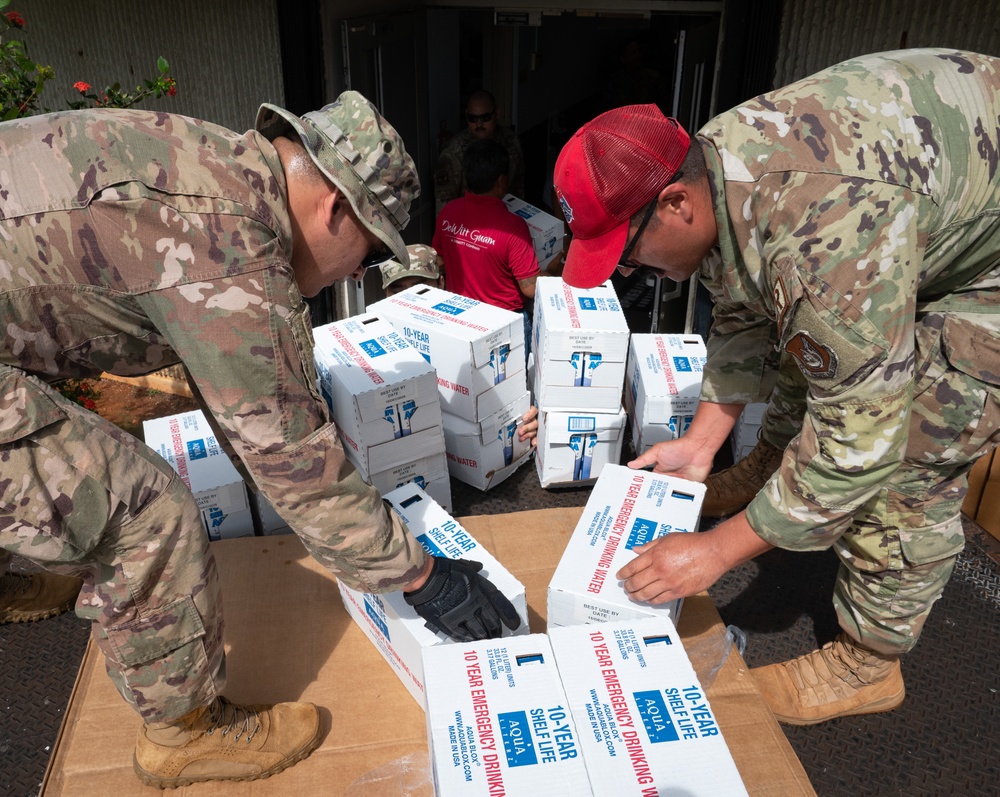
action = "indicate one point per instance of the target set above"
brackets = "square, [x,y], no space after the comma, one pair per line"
[483,164]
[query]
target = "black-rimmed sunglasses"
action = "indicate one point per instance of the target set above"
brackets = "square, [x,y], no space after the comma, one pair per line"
[376,257]
[473,118]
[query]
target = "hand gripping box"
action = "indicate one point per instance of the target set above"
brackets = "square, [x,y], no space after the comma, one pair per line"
[546,231]
[391,624]
[646,727]
[581,346]
[382,394]
[484,453]
[188,443]
[626,509]
[498,722]
[573,447]
[477,349]
[664,384]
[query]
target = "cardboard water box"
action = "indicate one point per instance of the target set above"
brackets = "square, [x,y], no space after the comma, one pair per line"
[546,231]
[498,722]
[747,429]
[581,347]
[188,443]
[430,474]
[477,349]
[484,453]
[382,394]
[664,385]
[627,508]
[574,447]
[268,520]
[646,727]
[391,624]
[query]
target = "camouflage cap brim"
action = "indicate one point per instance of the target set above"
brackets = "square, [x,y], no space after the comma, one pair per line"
[370,166]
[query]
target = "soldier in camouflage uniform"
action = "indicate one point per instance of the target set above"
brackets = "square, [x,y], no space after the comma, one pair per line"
[856,213]
[134,241]
[483,122]
[422,267]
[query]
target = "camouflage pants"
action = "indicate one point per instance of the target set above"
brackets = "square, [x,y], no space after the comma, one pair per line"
[901,547]
[79,496]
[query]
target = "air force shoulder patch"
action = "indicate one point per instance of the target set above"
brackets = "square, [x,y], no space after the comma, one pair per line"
[815,359]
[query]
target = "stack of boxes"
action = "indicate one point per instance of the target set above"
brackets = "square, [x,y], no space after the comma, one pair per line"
[607,702]
[581,347]
[383,398]
[664,383]
[188,443]
[478,353]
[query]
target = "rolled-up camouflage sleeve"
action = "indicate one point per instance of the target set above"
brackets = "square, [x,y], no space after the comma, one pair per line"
[247,342]
[843,258]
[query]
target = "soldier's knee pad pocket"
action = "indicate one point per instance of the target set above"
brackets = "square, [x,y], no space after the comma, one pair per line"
[176,631]
[956,403]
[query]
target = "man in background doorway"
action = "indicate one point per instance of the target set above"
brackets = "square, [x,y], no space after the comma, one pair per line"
[482,118]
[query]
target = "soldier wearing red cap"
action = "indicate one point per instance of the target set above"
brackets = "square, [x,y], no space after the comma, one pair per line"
[847,223]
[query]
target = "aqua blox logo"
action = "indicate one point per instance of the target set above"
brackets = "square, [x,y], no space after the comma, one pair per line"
[197,449]
[588,303]
[449,309]
[642,532]
[518,743]
[655,717]
[372,348]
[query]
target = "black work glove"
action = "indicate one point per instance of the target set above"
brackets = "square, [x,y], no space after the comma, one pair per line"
[459,602]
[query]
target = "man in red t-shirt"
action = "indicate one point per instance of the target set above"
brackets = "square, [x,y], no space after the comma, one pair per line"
[487,250]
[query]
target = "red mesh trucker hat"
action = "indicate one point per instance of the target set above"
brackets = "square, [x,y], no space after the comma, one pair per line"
[608,170]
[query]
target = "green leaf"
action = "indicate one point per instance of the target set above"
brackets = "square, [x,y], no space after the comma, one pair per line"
[4,4]
[161,63]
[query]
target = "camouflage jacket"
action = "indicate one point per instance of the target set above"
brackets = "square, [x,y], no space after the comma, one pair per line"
[849,205]
[133,241]
[449,182]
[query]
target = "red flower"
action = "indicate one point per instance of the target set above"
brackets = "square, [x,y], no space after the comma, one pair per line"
[15,19]
[173,87]
[82,87]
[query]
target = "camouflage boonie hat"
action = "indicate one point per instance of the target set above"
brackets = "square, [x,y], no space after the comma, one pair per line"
[422,262]
[364,156]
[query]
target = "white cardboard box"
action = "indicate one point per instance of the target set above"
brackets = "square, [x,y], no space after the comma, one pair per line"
[746,430]
[498,723]
[391,624]
[188,443]
[573,447]
[477,349]
[646,727]
[581,347]
[430,474]
[627,508]
[664,384]
[382,394]
[269,521]
[484,453]
[546,231]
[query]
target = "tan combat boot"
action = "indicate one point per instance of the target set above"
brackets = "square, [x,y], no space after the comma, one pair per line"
[35,596]
[729,490]
[840,680]
[226,741]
